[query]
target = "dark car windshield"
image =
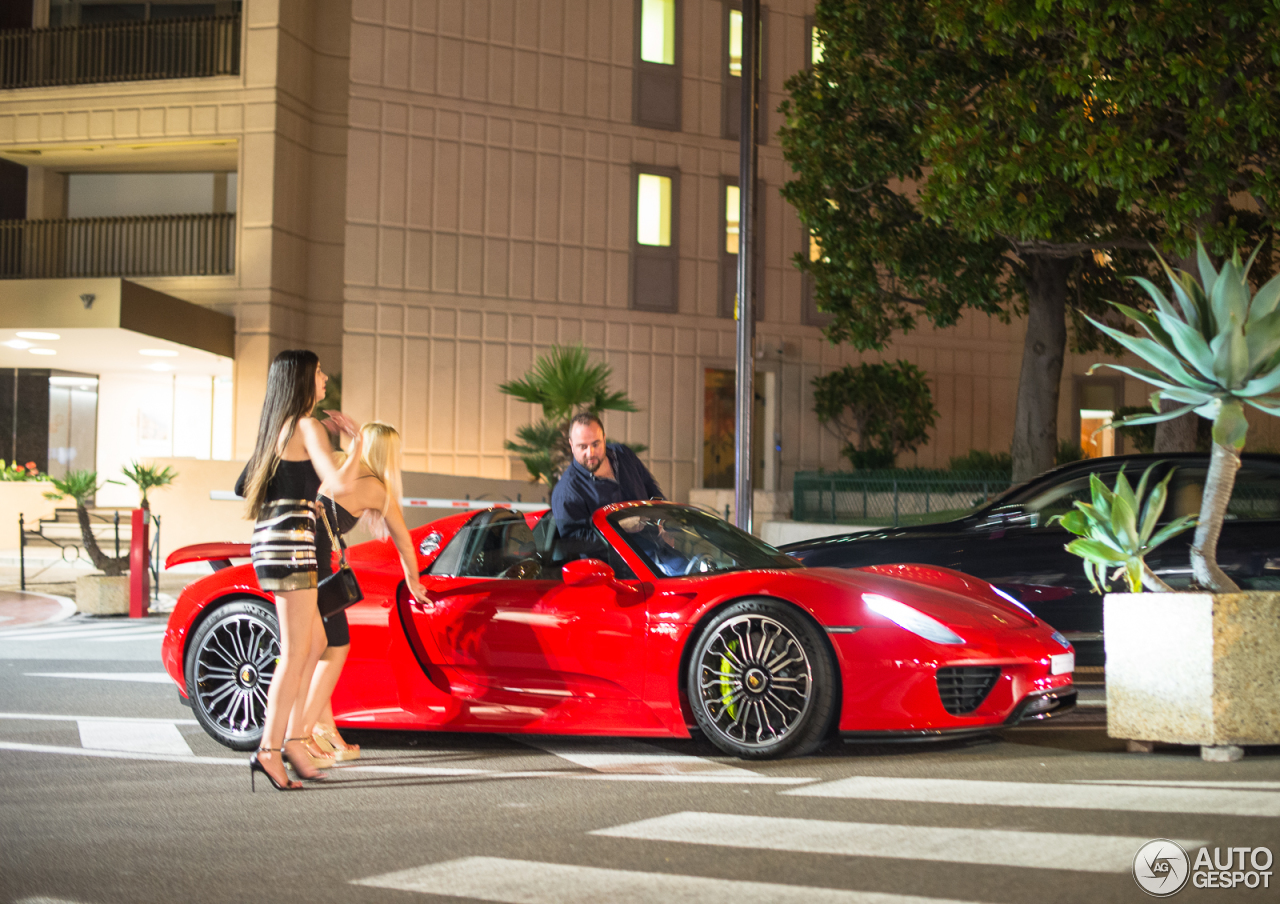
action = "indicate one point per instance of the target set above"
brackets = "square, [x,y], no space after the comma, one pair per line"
[675,541]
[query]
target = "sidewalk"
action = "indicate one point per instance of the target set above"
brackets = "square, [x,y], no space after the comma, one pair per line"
[50,577]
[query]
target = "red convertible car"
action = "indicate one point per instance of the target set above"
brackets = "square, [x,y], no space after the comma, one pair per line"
[666,620]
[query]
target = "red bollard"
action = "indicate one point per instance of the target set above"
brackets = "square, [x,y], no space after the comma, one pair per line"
[139,565]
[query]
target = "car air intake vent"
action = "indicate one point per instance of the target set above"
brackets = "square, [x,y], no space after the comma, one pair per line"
[963,688]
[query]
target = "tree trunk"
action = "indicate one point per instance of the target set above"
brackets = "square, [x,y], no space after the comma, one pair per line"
[1177,435]
[108,565]
[1035,422]
[1218,484]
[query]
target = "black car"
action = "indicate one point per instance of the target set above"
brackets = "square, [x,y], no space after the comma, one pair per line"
[1009,542]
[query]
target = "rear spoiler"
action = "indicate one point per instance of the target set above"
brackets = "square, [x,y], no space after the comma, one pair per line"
[219,555]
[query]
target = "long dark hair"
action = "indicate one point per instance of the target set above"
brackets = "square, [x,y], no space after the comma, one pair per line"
[291,394]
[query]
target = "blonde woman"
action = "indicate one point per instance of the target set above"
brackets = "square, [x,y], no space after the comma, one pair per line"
[291,460]
[373,501]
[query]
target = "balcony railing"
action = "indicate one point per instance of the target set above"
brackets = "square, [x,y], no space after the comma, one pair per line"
[120,52]
[197,244]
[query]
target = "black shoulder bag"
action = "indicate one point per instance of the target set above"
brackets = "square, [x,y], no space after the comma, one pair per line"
[340,589]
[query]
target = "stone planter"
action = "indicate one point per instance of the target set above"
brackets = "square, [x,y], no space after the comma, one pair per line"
[98,594]
[1194,668]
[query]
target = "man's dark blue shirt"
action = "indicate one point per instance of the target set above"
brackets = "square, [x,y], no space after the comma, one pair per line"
[579,492]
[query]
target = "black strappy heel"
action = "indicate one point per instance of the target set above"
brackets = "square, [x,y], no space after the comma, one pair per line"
[255,766]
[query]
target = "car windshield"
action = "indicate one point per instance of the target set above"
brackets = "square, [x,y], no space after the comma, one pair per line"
[675,541]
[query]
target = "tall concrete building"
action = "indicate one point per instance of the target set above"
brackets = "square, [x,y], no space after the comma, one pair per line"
[429,193]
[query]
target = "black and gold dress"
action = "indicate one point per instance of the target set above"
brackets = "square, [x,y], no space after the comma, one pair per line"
[284,538]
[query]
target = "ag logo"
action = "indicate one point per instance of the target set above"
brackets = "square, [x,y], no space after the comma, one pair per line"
[1161,867]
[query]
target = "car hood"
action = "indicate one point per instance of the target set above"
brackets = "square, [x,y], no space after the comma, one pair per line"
[952,605]
[920,531]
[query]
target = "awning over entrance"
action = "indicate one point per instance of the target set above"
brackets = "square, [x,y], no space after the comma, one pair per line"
[81,309]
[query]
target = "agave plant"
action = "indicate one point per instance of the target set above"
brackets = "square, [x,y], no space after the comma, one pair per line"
[1118,530]
[1214,351]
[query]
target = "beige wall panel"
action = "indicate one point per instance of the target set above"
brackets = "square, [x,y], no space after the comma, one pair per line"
[448,67]
[389,373]
[361,255]
[475,71]
[391,257]
[496,268]
[470,265]
[393,178]
[420,181]
[449,16]
[439,409]
[395,71]
[422,63]
[448,173]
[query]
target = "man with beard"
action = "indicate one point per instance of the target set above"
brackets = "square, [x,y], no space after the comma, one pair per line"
[601,474]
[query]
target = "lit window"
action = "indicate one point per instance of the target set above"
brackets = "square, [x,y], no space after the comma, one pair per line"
[1096,436]
[653,210]
[658,31]
[815,46]
[735,42]
[732,211]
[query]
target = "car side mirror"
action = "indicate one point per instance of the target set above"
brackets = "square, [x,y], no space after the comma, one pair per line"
[586,573]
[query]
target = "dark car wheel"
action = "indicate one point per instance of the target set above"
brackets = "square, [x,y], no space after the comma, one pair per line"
[229,664]
[762,681]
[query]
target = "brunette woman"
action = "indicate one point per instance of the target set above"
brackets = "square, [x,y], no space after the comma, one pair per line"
[290,462]
[374,503]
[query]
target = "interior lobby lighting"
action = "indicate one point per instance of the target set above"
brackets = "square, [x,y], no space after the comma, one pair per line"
[159,366]
[42,351]
[18,343]
[48,337]
[78,382]
[158,353]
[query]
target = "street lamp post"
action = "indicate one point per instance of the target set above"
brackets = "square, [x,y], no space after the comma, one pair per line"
[744,394]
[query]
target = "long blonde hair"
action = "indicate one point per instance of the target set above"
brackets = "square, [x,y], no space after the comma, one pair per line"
[381,455]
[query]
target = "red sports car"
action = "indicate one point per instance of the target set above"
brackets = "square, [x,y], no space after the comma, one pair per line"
[665,620]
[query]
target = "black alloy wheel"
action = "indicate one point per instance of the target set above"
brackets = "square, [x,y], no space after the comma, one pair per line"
[229,664]
[762,681]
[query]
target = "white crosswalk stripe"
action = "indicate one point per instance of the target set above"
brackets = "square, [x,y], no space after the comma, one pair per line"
[990,847]
[530,882]
[139,677]
[132,737]
[107,631]
[1203,801]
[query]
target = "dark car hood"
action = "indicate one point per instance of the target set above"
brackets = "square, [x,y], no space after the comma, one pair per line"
[916,532]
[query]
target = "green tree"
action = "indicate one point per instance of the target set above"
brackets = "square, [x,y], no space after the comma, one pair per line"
[148,477]
[1014,157]
[563,383]
[877,410]
[81,487]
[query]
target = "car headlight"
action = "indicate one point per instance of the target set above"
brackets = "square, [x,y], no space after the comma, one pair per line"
[911,619]
[1057,635]
[1011,599]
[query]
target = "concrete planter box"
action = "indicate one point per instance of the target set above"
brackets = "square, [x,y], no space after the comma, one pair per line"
[1194,668]
[98,594]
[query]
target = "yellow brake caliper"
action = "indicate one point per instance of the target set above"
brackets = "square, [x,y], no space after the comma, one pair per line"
[726,688]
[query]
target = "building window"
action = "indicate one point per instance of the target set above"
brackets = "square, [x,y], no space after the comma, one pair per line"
[815,48]
[808,304]
[655,259]
[731,90]
[656,86]
[1097,399]
[728,303]
[653,210]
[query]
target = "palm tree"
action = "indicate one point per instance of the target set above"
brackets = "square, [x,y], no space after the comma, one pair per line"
[82,486]
[564,383]
[148,477]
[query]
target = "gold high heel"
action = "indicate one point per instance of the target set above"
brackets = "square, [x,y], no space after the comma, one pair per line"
[333,745]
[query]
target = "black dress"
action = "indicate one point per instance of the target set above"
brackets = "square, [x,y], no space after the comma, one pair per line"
[336,628]
[284,538]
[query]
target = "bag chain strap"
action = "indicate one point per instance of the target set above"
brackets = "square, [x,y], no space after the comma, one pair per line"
[336,540]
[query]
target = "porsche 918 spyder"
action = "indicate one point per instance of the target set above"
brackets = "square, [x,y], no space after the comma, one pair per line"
[667,620]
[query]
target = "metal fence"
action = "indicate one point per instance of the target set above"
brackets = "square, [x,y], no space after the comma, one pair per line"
[120,52]
[197,244]
[892,496]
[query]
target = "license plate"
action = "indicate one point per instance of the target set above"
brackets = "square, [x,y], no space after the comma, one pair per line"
[1062,663]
